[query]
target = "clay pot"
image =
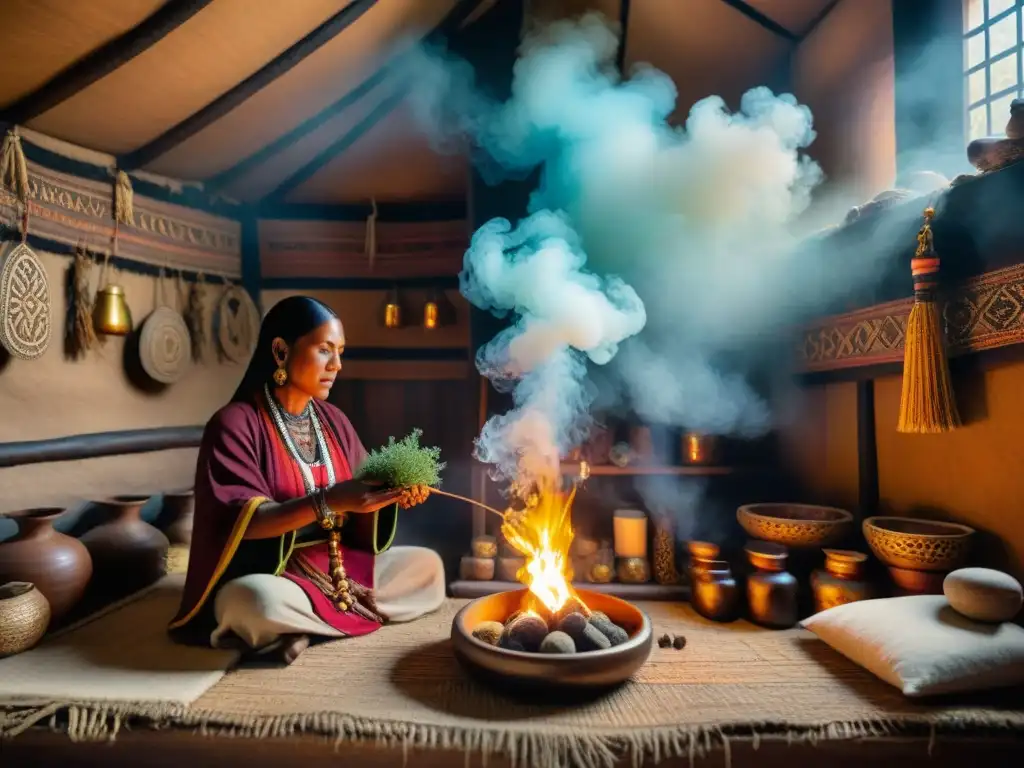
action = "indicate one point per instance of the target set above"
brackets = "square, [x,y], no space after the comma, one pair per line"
[127,552]
[58,565]
[179,508]
[24,617]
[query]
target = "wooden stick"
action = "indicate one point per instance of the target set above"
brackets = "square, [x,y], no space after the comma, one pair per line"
[468,501]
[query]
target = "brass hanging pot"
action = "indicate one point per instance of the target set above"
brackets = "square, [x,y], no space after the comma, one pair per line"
[111,315]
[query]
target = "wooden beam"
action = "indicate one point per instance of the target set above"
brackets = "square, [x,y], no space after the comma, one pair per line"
[768,23]
[867,450]
[459,13]
[816,21]
[397,211]
[620,54]
[357,283]
[104,60]
[350,137]
[97,444]
[259,80]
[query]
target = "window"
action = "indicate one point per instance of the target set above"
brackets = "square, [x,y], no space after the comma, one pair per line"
[993,47]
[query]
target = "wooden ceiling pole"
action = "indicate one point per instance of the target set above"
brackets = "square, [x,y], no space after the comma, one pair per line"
[231,99]
[755,15]
[620,53]
[350,137]
[104,60]
[451,24]
[818,19]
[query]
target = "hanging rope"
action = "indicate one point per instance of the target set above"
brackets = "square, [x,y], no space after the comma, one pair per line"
[84,332]
[13,168]
[195,316]
[371,234]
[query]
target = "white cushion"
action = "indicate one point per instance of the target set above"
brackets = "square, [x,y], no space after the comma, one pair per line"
[922,646]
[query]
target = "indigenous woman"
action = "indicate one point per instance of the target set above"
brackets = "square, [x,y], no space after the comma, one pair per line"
[274,488]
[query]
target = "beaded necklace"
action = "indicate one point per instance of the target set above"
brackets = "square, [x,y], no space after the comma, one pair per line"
[334,585]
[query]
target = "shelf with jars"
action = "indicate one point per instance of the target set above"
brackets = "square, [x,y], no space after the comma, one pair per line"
[625,543]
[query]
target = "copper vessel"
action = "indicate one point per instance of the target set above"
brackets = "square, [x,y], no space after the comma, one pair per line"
[577,672]
[841,581]
[127,552]
[713,591]
[771,589]
[110,314]
[57,564]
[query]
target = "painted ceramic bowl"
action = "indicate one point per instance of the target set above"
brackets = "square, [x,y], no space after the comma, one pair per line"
[918,545]
[798,526]
[592,671]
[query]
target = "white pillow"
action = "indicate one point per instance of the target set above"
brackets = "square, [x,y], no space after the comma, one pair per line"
[922,646]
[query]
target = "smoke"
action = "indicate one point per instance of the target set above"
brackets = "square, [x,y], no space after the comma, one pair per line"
[668,255]
[562,313]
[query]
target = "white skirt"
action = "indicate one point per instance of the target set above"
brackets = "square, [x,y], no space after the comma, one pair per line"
[260,608]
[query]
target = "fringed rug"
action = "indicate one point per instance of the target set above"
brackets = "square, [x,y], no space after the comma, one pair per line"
[120,654]
[402,687]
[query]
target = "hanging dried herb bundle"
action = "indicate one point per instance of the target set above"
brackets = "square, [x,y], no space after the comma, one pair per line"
[83,333]
[195,318]
[403,464]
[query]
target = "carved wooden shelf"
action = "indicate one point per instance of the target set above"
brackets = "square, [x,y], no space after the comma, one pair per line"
[649,591]
[572,469]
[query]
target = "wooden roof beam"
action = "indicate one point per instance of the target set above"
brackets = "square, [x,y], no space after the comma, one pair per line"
[451,23]
[98,64]
[768,23]
[260,79]
[818,19]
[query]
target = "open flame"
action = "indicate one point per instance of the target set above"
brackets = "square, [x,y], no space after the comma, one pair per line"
[542,533]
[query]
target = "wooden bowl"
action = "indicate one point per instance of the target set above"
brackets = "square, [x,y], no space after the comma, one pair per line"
[517,671]
[798,526]
[918,545]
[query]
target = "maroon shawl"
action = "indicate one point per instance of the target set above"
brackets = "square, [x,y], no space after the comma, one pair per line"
[243,463]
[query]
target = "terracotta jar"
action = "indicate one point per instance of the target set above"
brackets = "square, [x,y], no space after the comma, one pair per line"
[58,565]
[127,552]
[713,591]
[771,590]
[24,617]
[841,581]
[179,507]
[702,553]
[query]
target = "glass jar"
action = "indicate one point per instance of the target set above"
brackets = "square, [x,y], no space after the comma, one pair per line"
[664,554]
[771,589]
[713,591]
[841,581]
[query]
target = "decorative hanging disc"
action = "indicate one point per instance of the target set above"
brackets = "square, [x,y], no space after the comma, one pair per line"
[25,311]
[165,347]
[238,324]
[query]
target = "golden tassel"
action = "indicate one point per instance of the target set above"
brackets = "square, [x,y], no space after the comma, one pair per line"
[13,168]
[124,199]
[927,404]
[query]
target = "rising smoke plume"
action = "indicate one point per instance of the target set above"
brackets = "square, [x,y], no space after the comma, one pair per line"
[665,254]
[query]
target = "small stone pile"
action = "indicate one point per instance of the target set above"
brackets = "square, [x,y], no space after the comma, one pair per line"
[570,633]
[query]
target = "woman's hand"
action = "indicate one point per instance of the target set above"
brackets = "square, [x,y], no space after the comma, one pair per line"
[358,497]
[413,495]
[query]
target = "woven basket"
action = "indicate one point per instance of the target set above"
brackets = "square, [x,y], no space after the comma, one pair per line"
[24,617]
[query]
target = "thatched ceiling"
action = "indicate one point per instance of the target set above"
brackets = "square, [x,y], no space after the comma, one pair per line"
[255,96]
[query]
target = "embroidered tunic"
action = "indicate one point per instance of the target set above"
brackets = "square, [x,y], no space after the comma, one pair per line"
[247,458]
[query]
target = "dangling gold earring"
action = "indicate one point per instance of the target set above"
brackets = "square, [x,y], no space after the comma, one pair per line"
[280,376]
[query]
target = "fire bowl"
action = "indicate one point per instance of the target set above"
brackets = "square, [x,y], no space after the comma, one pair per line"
[572,674]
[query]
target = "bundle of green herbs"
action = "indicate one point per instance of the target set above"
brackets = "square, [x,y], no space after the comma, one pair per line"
[403,464]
